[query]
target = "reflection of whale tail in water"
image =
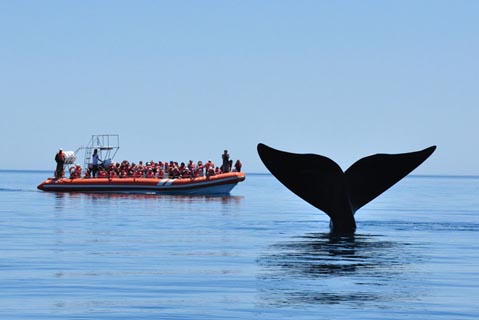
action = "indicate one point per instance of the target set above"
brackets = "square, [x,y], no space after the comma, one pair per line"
[323,184]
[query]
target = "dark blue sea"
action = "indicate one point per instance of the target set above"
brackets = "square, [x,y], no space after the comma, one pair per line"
[261,253]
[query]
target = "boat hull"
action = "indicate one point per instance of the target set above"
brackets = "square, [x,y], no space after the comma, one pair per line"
[218,184]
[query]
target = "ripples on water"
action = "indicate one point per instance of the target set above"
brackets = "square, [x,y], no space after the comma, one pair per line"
[334,270]
[261,253]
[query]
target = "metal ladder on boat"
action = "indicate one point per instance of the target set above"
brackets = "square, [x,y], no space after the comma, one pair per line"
[88,153]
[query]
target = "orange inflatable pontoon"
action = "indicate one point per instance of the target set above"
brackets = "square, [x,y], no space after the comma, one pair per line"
[218,184]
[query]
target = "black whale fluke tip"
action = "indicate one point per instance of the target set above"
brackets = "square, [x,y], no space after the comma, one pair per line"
[321,182]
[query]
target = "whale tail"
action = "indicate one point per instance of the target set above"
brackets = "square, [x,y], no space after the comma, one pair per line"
[321,182]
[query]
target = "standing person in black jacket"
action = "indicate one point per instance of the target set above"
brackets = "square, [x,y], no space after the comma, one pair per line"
[226,162]
[60,159]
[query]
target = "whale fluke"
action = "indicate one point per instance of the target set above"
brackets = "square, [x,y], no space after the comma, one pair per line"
[322,183]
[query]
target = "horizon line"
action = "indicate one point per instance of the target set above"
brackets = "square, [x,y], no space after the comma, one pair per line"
[269,174]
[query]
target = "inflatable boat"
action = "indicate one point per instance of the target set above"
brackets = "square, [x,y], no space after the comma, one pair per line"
[105,146]
[218,184]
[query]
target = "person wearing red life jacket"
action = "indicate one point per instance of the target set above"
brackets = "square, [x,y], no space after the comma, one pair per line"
[182,169]
[77,171]
[73,172]
[159,166]
[191,166]
[131,170]
[160,173]
[102,173]
[117,169]
[209,165]
[149,173]
[210,172]
[186,173]
[140,168]
[176,172]
[112,174]
[199,169]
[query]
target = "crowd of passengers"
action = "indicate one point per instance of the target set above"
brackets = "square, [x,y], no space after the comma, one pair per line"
[159,170]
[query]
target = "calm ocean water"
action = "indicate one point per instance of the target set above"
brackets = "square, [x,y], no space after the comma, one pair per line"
[261,253]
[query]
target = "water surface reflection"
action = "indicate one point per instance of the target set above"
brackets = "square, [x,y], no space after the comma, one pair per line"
[327,269]
[62,199]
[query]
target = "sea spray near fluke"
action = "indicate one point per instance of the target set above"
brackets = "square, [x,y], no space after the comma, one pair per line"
[321,182]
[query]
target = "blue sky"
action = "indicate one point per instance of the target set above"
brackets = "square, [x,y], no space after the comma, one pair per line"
[184,80]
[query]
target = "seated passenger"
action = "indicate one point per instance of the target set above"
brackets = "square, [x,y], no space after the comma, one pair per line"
[182,166]
[140,168]
[191,166]
[186,173]
[111,167]
[154,168]
[131,170]
[199,169]
[176,172]
[160,173]
[102,173]
[209,165]
[210,172]
[75,172]
[112,174]
[149,173]
[78,171]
